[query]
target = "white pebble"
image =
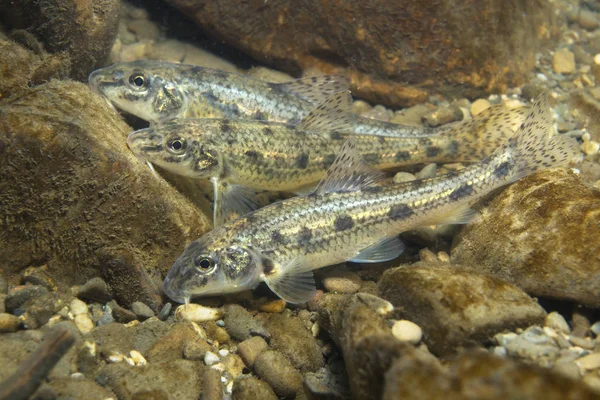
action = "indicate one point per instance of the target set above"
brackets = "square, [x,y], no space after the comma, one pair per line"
[91,346]
[116,357]
[229,388]
[597,59]
[78,307]
[589,362]
[500,351]
[197,313]
[223,353]
[210,358]
[218,367]
[77,375]
[407,331]
[129,361]
[479,106]
[596,328]
[54,320]
[137,357]
[84,323]
[557,322]
[550,332]
[315,329]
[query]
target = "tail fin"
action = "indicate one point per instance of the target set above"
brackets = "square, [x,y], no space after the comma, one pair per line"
[485,132]
[534,146]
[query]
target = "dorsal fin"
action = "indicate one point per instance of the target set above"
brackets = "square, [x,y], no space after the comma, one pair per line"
[315,89]
[334,114]
[348,172]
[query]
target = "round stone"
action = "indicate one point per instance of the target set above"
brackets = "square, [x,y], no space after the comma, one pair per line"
[407,331]
[78,307]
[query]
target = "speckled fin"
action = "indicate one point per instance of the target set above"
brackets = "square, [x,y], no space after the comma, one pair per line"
[231,201]
[459,215]
[293,282]
[315,89]
[385,250]
[348,172]
[334,114]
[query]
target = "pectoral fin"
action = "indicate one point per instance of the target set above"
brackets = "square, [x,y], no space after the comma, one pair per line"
[231,201]
[385,250]
[294,282]
[315,89]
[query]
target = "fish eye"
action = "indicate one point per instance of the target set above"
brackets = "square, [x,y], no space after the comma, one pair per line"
[204,264]
[176,145]
[138,81]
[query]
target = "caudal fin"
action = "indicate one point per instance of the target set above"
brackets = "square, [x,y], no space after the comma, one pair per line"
[479,136]
[534,146]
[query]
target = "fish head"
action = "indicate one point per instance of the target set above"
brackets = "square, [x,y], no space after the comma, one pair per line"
[211,266]
[146,90]
[172,147]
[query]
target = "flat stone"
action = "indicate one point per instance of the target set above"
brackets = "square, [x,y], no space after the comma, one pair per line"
[9,323]
[95,290]
[241,325]
[275,369]
[589,362]
[247,387]
[251,348]
[563,61]
[537,234]
[142,311]
[273,306]
[407,331]
[290,336]
[341,280]
[197,313]
[455,307]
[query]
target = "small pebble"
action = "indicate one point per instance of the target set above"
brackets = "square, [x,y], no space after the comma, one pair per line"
[137,357]
[589,362]
[427,172]
[84,323]
[223,353]
[443,116]
[500,351]
[211,385]
[479,106]
[251,348]
[78,307]
[95,291]
[596,328]
[273,306]
[597,59]
[315,329]
[197,313]
[360,107]
[569,369]
[142,311]
[9,323]
[407,331]
[563,61]
[557,322]
[210,358]
[584,343]
[165,311]
[274,368]
[220,323]
[404,177]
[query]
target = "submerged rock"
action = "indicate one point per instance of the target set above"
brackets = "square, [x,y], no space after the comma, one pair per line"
[455,307]
[417,41]
[541,235]
[73,196]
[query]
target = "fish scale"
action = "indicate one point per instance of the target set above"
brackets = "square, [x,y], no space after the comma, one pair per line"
[350,216]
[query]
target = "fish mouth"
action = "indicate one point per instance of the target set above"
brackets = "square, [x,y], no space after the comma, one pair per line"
[170,289]
[144,141]
[103,77]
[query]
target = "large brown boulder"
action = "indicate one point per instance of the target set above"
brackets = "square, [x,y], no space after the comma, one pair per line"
[395,52]
[73,196]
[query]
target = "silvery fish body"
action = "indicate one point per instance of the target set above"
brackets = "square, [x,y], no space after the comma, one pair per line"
[157,91]
[352,217]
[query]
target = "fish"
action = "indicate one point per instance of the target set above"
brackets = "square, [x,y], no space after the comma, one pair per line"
[157,91]
[243,156]
[352,216]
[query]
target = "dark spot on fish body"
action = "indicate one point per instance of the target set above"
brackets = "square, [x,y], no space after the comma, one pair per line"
[304,236]
[502,170]
[302,161]
[400,211]
[453,147]
[336,136]
[209,96]
[328,160]
[371,158]
[268,131]
[343,223]
[402,156]
[277,237]
[254,155]
[173,160]
[225,126]
[461,192]
[258,115]
[372,189]
[381,139]
[433,151]
[234,110]
[425,142]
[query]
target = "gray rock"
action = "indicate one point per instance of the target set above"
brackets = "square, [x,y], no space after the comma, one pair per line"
[248,387]
[121,314]
[142,311]
[9,323]
[95,290]
[275,369]
[455,307]
[241,325]
[17,299]
[558,215]
[290,336]
[165,311]
[178,379]
[251,348]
